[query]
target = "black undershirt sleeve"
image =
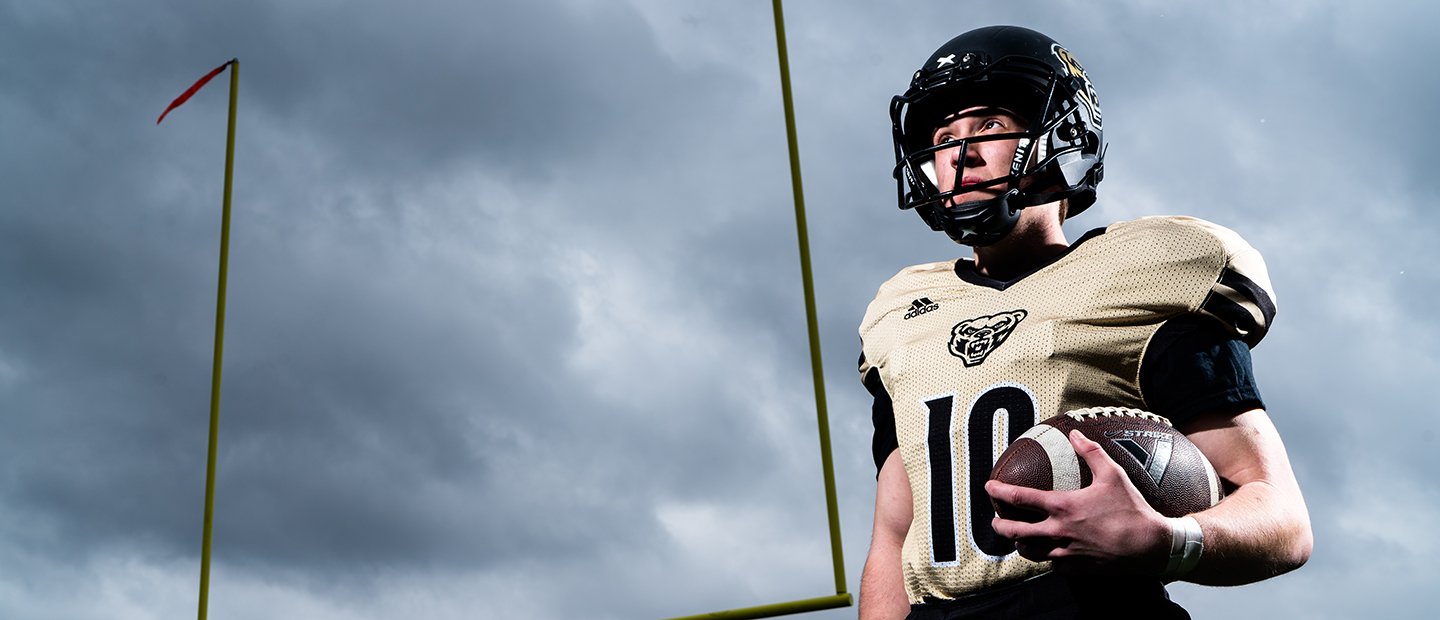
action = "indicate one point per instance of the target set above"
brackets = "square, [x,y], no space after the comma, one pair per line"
[882,413]
[1194,367]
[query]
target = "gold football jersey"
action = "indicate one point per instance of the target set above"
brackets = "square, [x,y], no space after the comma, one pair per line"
[971,363]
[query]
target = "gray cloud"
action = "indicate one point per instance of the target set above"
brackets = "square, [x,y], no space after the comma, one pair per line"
[515,327]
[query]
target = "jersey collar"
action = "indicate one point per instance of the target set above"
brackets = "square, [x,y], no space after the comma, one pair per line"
[965,267]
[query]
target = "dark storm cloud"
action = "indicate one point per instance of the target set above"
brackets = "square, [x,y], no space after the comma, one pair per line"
[515,302]
[341,375]
[392,398]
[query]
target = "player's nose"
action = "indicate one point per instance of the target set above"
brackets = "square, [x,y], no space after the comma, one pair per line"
[972,156]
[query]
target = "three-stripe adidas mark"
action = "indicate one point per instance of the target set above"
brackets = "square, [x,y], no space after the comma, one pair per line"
[921,306]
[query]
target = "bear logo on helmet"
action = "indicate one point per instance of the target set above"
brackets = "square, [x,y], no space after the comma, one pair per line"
[1072,67]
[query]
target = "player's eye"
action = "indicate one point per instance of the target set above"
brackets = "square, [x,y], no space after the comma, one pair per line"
[991,124]
[942,138]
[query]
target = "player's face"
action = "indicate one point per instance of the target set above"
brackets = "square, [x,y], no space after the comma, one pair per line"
[980,161]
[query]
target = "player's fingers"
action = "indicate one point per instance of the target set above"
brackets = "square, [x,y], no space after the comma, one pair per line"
[1018,496]
[1006,528]
[1099,461]
[1019,530]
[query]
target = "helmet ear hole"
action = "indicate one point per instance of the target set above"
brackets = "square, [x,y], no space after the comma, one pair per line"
[1069,131]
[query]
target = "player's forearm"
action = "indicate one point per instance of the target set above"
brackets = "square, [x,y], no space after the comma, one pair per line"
[1259,531]
[882,589]
[1262,529]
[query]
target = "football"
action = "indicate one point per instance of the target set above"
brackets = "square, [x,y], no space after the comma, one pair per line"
[1170,472]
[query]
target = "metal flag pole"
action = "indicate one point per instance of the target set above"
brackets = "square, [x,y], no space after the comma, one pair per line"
[219,347]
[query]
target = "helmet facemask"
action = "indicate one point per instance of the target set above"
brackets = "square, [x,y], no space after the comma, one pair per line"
[1057,156]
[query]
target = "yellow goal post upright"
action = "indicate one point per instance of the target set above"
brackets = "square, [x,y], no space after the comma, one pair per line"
[841,598]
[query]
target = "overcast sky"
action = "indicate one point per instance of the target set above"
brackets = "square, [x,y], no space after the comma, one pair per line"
[515,324]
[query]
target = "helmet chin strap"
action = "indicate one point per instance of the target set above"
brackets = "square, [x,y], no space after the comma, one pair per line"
[981,222]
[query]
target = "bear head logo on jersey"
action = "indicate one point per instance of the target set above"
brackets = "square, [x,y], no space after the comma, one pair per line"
[974,339]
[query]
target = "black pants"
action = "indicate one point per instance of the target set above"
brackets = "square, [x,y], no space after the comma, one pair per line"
[1060,597]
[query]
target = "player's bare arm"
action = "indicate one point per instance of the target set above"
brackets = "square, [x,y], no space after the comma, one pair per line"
[882,590]
[1260,530]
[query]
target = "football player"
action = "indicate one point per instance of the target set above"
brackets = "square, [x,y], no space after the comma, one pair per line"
[998,139]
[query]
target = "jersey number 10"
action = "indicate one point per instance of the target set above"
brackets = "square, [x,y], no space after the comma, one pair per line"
[1018,405]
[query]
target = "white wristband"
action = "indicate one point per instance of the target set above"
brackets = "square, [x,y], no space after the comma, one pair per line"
[1187,542]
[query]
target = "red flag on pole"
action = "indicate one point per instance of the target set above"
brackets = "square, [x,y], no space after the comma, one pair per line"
[210,463]
[192,90]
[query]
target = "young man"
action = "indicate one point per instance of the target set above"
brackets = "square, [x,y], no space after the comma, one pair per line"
[997,140]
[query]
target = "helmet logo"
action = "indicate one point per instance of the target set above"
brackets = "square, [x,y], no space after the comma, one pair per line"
[1073,68]
[945,60]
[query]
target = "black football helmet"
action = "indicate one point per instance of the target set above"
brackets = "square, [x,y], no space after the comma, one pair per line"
[1060,153]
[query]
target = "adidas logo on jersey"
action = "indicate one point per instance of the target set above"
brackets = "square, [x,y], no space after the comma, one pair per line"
[921,306]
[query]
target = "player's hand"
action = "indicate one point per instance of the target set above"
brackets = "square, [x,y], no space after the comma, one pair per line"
[1106,527]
